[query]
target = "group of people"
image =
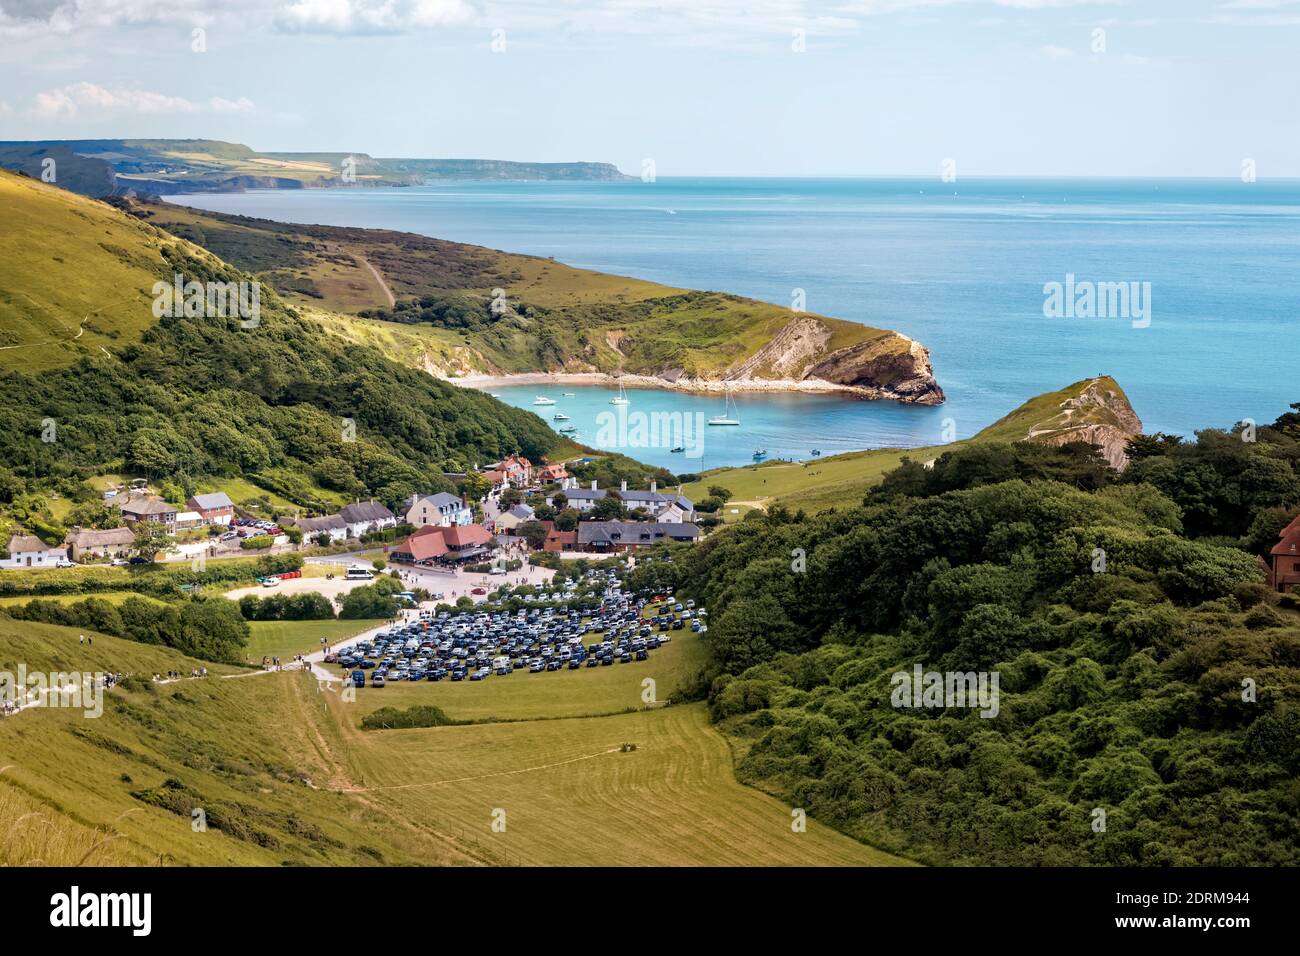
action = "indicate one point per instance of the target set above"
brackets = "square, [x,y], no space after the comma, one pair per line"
[176,675]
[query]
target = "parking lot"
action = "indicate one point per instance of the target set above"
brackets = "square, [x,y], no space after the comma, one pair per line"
[592,626]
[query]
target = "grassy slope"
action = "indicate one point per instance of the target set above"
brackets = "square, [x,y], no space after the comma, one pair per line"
[842,479]
[629,324]
[84,284]
[318,788]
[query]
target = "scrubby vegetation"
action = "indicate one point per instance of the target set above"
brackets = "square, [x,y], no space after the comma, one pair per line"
[392,718]
[1149,680]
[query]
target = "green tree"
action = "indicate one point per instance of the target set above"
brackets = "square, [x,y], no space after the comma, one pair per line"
[151,537]
[608,508]
[534,532]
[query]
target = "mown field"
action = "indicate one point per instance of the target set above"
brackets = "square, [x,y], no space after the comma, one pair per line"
[287,638]
[284,774]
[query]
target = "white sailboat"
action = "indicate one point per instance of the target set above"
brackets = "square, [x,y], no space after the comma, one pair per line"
[622,396]
[729,414]
[543,400]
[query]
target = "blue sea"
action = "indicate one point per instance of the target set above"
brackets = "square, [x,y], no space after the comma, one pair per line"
[961,267]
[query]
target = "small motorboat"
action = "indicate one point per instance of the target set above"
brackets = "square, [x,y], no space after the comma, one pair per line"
[559,417]
[566,394]
[543,400]
[570,430]
[816,452]
[676,451]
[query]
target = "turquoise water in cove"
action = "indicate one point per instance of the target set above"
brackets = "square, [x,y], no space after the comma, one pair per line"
[961,267]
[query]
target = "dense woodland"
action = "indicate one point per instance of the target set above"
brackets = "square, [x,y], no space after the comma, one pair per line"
[1126,682]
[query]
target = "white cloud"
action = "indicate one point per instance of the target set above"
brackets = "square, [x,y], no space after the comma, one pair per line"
[1055,52]
[73,99]
[219,105]
[371,16]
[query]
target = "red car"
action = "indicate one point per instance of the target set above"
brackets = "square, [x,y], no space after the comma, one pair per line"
[479,591]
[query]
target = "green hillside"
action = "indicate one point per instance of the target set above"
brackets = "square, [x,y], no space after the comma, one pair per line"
[180,399]
[455,309]
[75,276]
[841,480]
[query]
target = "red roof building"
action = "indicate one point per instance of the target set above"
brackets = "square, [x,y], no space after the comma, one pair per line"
[443,545]
[1284,558]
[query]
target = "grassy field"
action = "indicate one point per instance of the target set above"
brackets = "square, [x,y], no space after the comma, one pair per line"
[284,775]
[568,796]
[287,638]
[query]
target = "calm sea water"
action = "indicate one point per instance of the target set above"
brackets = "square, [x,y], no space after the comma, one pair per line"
[961,267]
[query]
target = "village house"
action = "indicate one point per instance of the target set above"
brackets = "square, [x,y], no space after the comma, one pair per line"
[580,499]
[516,471]
[613,536]
[215,507]
[333,525]
[666,508]
[509,520]
[149,509]
[442,510]
[1284,558]
[91,543]
[552,474]
[29,551]
[366,516]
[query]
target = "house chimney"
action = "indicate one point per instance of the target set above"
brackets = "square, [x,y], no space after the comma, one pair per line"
[654,485]
[623,485]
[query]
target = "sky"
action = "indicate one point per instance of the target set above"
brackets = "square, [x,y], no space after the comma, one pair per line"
[701,87]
